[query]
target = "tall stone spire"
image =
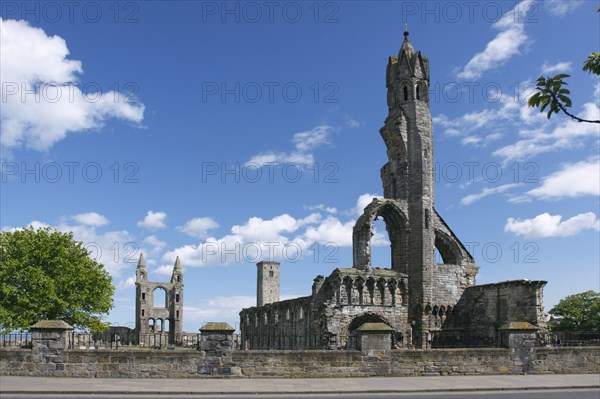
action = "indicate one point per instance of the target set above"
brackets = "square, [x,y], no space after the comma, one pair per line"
[177,265]
[141,262]
[177,275]
[141,272]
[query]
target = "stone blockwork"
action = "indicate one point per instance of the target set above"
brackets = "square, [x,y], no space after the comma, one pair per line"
[484,309]
[290,364]
[267,283]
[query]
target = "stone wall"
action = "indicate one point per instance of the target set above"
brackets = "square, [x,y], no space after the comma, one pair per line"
[483,309]
[290,364]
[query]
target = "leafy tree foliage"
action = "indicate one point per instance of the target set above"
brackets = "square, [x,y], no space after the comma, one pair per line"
[579,312]
[550,93]
[45,275]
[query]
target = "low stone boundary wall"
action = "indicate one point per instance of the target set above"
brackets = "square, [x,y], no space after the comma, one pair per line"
[290,364]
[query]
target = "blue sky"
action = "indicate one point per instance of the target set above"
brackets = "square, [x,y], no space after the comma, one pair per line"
[227,133]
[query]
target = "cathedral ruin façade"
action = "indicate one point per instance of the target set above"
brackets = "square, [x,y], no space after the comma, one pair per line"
[421,302]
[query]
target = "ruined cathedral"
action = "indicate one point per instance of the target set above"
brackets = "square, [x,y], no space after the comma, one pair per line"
[419,301]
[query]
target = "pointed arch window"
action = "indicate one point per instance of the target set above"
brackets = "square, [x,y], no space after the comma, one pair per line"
[405,93]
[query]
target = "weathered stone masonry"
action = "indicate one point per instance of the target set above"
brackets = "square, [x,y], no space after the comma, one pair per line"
[419,299]
[49,356]
[153,318]
[290,364]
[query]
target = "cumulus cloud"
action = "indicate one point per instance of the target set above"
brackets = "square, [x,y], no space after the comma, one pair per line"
[41,102]
[331,230]
[304,142]
[153,221]
[546,225]
[572,180]
[164,270]
[507,43]
[155,243]
[257,239]
[198,227]
[283,237]
[91,219]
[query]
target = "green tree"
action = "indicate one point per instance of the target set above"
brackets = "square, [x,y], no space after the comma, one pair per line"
[550,93]
[578,312]
[45,275]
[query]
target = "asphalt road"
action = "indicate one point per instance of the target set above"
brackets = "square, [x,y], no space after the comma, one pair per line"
[521,394]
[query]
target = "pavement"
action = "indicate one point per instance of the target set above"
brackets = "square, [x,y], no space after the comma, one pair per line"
[231,386]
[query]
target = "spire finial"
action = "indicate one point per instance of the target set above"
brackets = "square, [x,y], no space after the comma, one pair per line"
[406,29]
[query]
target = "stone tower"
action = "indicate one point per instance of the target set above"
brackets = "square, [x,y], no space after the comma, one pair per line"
[159,318]
[267,287]
[414,228]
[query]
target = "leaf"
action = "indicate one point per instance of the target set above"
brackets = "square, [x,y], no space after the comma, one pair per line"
[561,76]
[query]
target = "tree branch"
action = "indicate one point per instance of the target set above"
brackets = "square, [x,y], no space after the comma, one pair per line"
[563,109]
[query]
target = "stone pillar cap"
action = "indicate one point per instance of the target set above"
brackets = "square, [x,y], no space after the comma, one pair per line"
[51,324]
[216,326]
[518,325]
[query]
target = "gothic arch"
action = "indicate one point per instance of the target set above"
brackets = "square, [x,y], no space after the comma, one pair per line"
[448,248]
[396,224]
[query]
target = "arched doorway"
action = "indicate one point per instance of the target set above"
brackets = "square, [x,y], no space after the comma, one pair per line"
[351,342]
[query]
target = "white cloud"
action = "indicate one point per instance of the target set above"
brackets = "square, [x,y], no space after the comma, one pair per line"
[283,237]
[32,60]
[164,270]
[562,7]
[155,243]
[496,120]
[153,221]
[558,67]
[91,219]
[304,142]
[321,207]
[572,180]
[565,134]
[198,227]
[469,199]
[353,123]
[127,283]
[313,138]
[503,47]
[331,231]
[257,239]
[546,225]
